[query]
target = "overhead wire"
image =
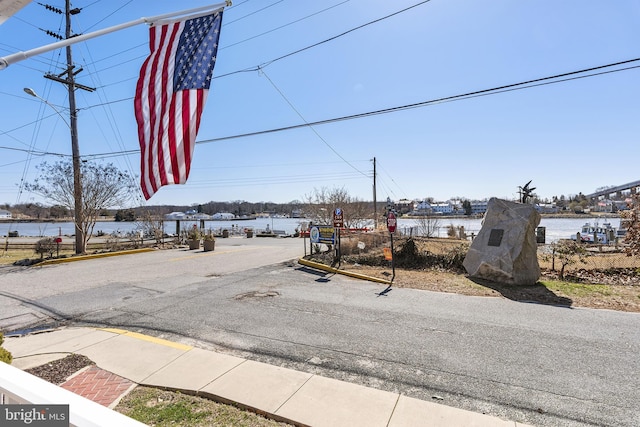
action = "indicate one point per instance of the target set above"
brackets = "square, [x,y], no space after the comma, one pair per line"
[484,92]
[266,64]
[253,13]
[111,120]
[110,14]
[501,89]
[293,107]
[283,26]
[467,95]
[379,166]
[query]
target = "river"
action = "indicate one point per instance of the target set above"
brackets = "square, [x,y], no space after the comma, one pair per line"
[556,228]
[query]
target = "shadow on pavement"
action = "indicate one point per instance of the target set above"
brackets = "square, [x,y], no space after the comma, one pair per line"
[537,293]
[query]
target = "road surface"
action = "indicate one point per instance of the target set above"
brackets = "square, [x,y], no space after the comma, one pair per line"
[542,365]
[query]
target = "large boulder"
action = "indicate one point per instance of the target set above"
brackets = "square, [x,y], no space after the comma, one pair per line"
[505,250]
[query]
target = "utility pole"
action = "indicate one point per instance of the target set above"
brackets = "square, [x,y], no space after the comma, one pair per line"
[69,80]
[375,201]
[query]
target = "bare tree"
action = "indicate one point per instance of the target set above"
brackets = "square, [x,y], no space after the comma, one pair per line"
[151,224]
[428,226]
[568,253]
[103,187]
[321,203]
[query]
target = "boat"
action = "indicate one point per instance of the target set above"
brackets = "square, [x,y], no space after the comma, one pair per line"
[595,233]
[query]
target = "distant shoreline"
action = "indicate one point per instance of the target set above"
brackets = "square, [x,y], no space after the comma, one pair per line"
[111,219]
[586,216]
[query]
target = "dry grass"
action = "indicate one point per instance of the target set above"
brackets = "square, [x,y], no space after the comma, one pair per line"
[549,290]
[600,282]
[10,256]
[161,408]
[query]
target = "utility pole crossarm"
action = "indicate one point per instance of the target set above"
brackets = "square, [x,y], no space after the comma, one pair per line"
[20,56]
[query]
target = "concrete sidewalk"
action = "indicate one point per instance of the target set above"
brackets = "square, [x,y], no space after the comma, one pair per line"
[283,394]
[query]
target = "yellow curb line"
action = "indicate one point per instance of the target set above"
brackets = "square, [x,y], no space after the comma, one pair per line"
[346,273]
[84,257]
[148,338]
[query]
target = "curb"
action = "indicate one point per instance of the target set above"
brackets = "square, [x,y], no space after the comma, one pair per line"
[85,257]
[324,267]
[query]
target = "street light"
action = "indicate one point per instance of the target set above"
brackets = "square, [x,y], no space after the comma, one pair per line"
[77,184]
[33,93]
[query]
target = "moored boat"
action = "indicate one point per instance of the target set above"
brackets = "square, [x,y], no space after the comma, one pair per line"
[595,233]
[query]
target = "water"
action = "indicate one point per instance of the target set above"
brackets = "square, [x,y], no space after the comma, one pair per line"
[38,229]
[556,228]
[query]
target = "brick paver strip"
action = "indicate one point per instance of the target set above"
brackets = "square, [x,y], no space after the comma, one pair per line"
[98,385]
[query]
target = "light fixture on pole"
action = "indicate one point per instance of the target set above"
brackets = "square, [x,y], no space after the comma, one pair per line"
[77,184]
[33,93]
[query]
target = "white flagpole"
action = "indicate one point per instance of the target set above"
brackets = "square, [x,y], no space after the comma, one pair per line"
[20,56]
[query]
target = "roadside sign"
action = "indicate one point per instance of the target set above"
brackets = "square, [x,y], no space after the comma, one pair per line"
[391,222]
[338,218]
[388,255]
[322,234]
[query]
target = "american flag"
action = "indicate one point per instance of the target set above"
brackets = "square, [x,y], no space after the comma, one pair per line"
[170,96]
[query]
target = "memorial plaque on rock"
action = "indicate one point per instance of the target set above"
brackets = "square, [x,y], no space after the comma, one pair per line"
[495,237]
[505,249]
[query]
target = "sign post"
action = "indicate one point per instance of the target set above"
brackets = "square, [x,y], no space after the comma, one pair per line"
[58,241]
[392,223]
[338,223]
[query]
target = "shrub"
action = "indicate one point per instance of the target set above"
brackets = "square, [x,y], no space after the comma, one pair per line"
[568,253]
[5,356]
[45,246]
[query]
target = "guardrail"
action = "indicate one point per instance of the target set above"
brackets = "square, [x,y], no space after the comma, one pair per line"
[19,387]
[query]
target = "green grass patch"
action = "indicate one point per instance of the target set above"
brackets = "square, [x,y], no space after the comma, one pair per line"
[582,290]
[163,408]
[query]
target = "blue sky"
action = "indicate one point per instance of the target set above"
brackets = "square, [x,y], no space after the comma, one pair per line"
[568,137]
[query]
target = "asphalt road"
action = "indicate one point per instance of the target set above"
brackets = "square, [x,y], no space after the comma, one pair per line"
[543,365]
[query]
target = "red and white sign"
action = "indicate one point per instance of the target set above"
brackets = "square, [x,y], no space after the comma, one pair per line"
[338,218]
[391,222]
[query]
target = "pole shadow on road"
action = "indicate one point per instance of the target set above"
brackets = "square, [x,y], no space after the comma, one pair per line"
[324,276]
[537,293]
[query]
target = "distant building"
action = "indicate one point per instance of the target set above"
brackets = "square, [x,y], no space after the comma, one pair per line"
[175,216]
[478,207]
[404,206]
[445,208]
[547,208]
[424,207]
[5,214]
[223,215]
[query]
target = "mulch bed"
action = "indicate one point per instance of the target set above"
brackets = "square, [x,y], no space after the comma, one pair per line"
[58,371]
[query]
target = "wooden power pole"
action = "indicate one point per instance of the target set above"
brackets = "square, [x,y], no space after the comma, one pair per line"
[375,201]
[69,81]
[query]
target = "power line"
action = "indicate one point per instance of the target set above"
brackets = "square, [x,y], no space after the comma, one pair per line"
[266,64]
[283,26]
[346,32]
[32,152]
[573,75]
[311,127]
[253,13]
[492,91]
